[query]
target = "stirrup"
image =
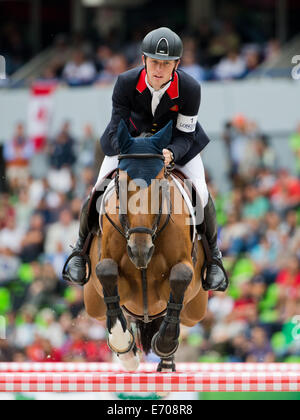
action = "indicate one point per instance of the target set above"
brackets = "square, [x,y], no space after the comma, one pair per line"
[225,283]
[83,253]
[87,259]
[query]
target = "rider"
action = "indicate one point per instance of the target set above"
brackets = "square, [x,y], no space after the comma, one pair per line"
[147,98]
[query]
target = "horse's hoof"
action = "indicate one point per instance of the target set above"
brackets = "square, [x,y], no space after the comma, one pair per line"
[130,361]
[160,353]
[167,365]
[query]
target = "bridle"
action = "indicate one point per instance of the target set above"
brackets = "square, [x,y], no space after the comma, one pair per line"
[125,229]
[156,230]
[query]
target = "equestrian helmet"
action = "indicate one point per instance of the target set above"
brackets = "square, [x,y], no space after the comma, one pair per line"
[162,44]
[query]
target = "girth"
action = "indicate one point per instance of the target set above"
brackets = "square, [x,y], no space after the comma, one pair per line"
[141,317]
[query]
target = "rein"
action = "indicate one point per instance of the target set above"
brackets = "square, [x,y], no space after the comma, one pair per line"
[141,156]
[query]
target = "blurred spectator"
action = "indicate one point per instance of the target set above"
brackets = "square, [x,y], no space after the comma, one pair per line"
[233,234]
[103,54]
[258,154]
[245,309]
[221,305]
[190,66]
[62,158]
[42,286]
[133,49]
[86,149]
[116,65]
[288,279]
[11,238]
[84,186]
[61,150]
[285,194]
[50,329]
[6,351]
[233,66]
[23,208]
[42,351]
[240,349]
[237,135]
[17,154]
[289,226]
[7,211]
[255,205]
[252,60]
[260,351]
[9,266]
[225,40]
[25,331]
[61,54]
[79,71]
[265,257]
[63,233]
[32,244]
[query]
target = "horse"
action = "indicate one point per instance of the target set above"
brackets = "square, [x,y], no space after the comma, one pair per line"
[147,268]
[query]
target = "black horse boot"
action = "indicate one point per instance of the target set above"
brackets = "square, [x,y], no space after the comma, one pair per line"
[76,268]
[216,277]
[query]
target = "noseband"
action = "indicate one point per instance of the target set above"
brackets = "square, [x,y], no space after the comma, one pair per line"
[125,230]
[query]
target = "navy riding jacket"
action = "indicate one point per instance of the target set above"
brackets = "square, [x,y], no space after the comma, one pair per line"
[132,102]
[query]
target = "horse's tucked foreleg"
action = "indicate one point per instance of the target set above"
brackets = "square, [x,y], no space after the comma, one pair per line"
[165,342]
[120,340]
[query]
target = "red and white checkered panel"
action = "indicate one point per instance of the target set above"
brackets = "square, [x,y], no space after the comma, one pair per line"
[151,382]
[149,367]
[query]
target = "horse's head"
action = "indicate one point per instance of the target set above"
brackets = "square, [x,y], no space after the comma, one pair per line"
[141,176]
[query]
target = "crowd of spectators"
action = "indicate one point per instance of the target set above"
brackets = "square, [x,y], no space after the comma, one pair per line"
[212,51]
[209,54]
[259,235]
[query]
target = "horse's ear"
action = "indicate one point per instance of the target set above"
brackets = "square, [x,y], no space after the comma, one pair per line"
[124,137]
[163,137]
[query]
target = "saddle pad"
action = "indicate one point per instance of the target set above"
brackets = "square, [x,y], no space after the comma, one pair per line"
[111,188]
[189,204]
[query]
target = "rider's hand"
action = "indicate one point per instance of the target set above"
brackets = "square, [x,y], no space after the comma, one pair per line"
[168,156]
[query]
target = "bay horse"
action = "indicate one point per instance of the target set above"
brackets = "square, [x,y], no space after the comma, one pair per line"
[145,270]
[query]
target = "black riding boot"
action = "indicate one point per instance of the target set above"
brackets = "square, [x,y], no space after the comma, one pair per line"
[216,277]
[76,270]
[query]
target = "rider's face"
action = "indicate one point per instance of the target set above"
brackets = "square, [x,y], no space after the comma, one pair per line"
[159,72]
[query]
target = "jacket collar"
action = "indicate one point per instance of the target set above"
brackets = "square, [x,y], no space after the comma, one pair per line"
[172,91]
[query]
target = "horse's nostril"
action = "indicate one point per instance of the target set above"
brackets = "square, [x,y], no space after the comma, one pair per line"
[151,251]
[130,254]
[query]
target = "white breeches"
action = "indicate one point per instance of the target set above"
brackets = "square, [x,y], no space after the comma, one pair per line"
[194,170]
